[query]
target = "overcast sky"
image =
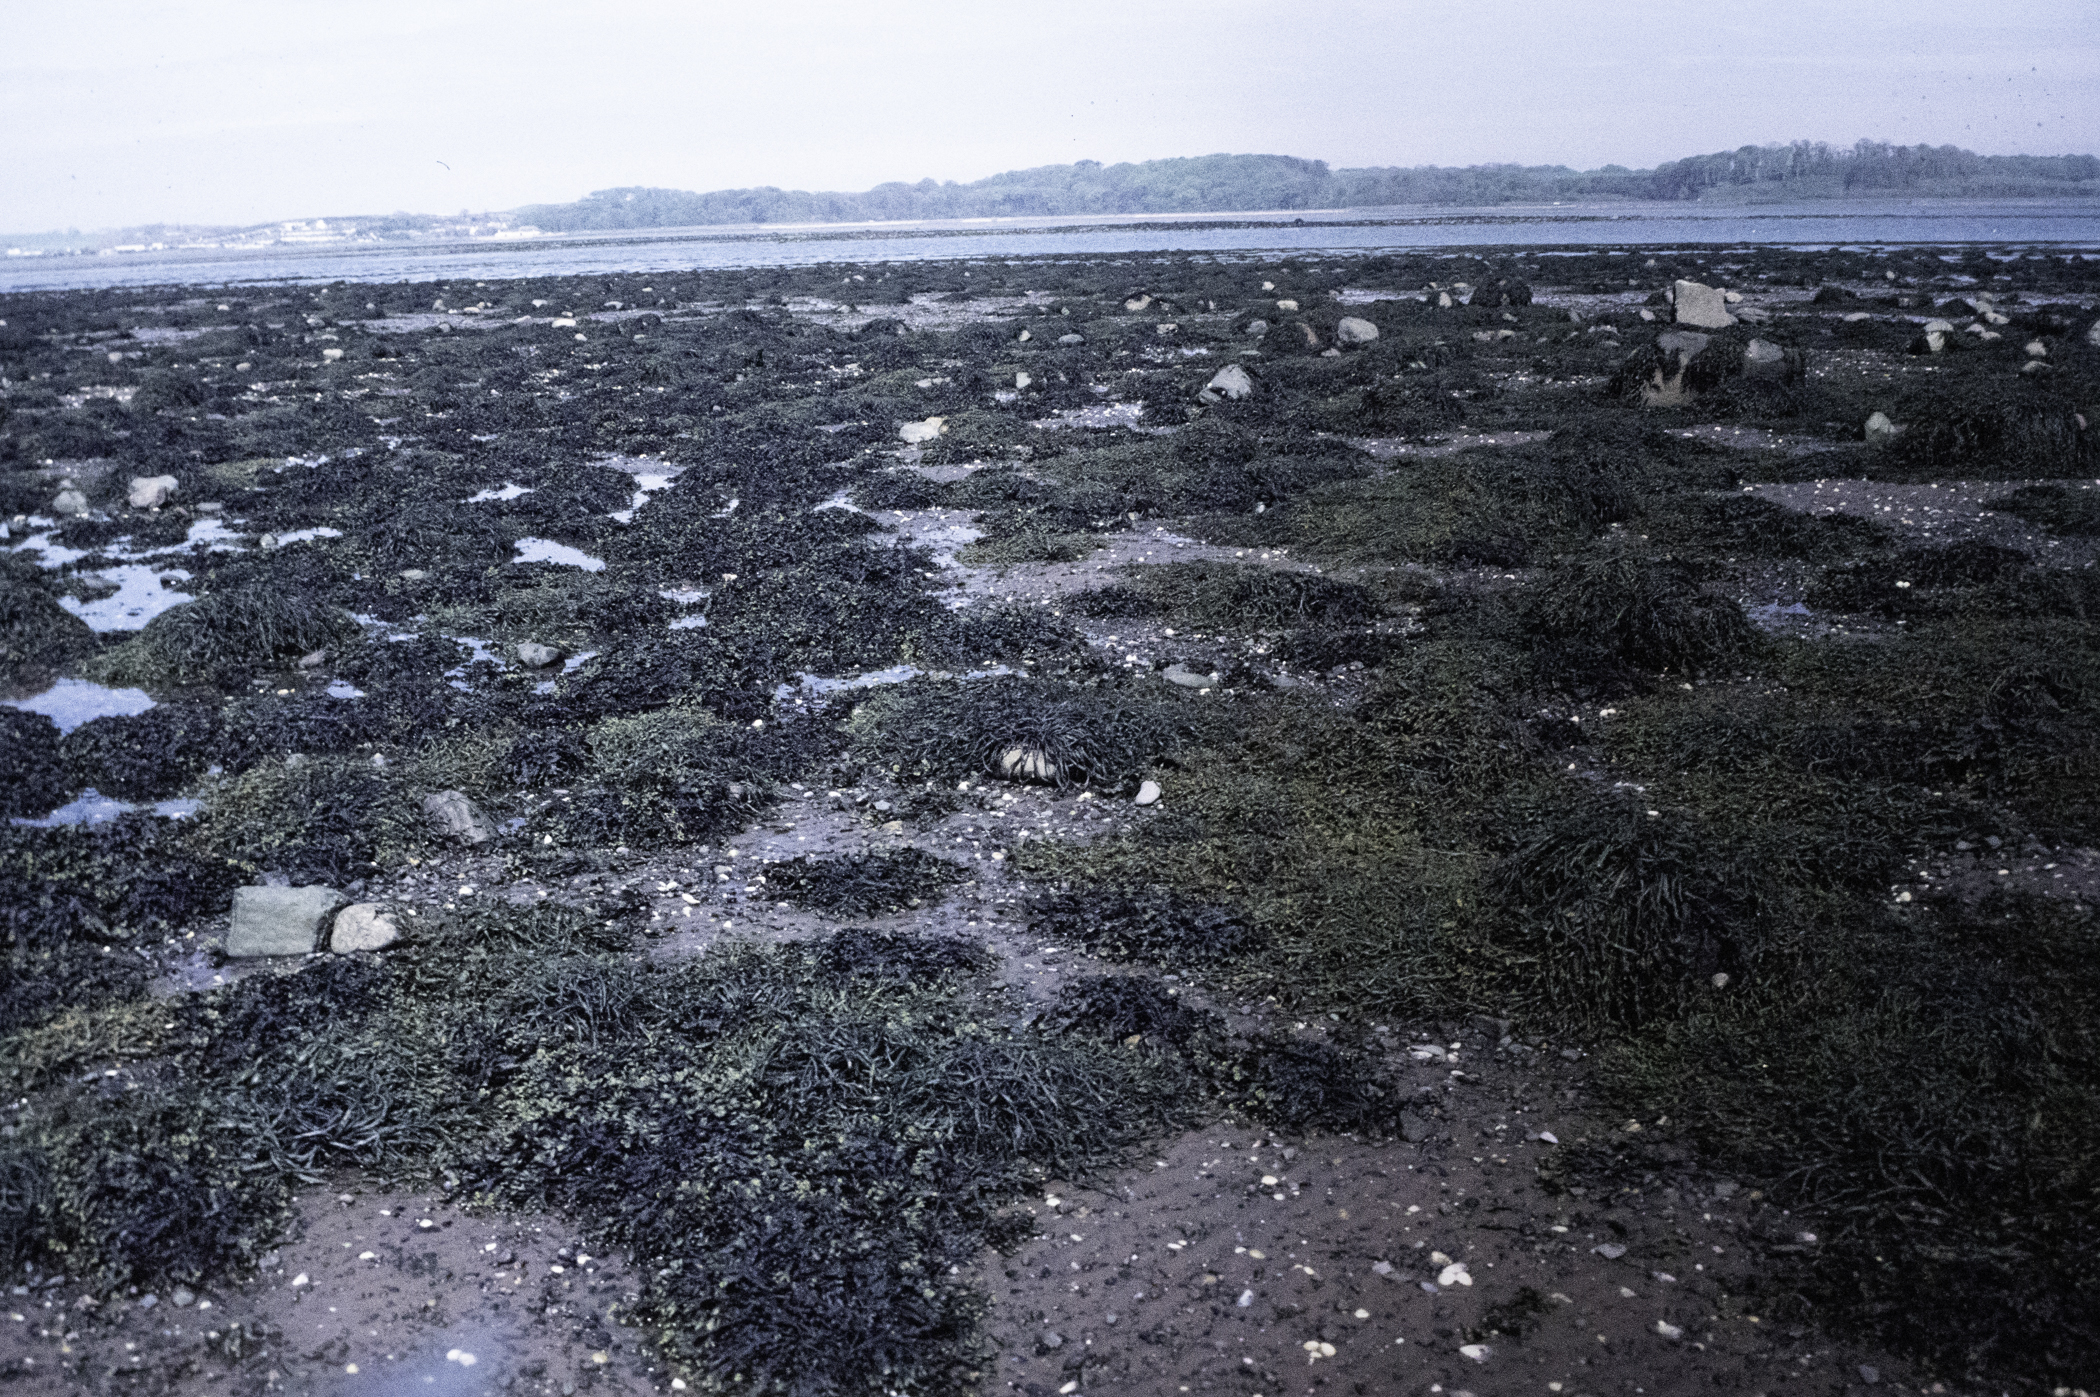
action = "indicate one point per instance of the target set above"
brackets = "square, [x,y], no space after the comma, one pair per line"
[116,112]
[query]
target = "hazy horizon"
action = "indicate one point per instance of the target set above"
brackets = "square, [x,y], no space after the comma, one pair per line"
[122,114]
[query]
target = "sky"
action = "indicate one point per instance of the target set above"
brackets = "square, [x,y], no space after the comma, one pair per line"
[121,112]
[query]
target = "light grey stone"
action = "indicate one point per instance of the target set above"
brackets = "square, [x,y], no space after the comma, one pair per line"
[1703,306]
[1880,428]
[1148,793]
[2092,334]
[278,921]
[534,655]
[1232,381]
[152,491]
[69,501]
[919,433]
[457,817]
[1071,339]
[1187,678]
[1763,359]
[1354,329]
[364,926]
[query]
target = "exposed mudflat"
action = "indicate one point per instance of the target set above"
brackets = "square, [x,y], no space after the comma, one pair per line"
[981,859]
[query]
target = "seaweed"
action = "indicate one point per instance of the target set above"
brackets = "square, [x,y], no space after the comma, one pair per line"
[1154,927]
[38,638]
[1610,610]
[1039,730]
[2073,512]
[859,887]
[32,776]
[144,756]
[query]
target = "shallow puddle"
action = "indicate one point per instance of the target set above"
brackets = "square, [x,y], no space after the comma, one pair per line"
[72,702]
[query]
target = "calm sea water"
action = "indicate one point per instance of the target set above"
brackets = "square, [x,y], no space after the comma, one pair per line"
[2061,226]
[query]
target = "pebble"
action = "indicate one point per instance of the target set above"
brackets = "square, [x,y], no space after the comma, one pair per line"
[1148,793]
[183,1297]
[1610,1251]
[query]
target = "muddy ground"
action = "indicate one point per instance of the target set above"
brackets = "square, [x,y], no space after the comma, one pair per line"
[1477,1180]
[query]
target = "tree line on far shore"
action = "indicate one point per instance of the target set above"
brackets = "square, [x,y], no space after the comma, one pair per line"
[1803,170]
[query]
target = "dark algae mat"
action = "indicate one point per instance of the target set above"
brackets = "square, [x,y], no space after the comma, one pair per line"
[1419,824]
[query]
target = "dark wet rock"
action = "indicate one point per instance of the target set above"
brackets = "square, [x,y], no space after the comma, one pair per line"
[279,921]
[1502,291]
[1704,307]
[458,818]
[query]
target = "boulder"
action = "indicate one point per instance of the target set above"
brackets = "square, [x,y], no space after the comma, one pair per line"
[279,921]
[457,817]
[1933,338]
[152,491]
[1703,306]
[1233,381]
[1764,360]
[1257,327]
[919,433]
[534,655]
[364,926]
[1355,329]
[69,500]
[1503,291]
[1879,428]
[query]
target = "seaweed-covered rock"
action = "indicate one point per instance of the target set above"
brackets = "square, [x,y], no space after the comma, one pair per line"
[32,779]
[38,638]
[279,921]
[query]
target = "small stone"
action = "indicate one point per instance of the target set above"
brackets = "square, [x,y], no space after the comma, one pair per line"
[364,926]
[266,542]
[278,921]
[1148,793]
[1668,1330]
[1610,1251]
[313,659]
[1382,1268]
[413,574]
[183,1297]
[1257,327]
[69,501]
[1022,380]
[919,433]
[329,356]
[1479,1353]
[1354,329]
[1701,306]
[1028,764]
[1732,297]
[1187,678]
[151,491]
[534,655]
[1286,305]
[1454,1274]
[1879,428]
[1071,339]
[1233,381]
[1052,1339]
[457,817]
[1853,317]
[1869,1374]
[2036,349]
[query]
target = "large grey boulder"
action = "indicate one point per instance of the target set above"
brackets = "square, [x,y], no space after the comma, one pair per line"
[1232,382]
[1354,329]
[364,926]
[457,817]
[1704,307]
[279,921]
[151,491]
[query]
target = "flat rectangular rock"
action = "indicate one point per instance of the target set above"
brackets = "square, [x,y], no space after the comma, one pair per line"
[278,921]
